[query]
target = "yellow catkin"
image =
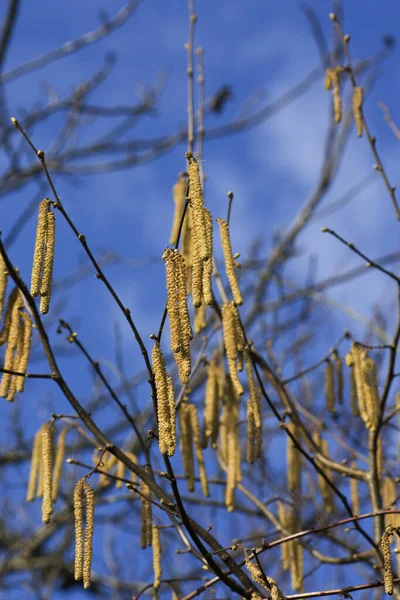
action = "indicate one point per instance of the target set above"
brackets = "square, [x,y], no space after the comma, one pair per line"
[254,416]
[179,196]
[78,519]
[48,261]
[229,262]
[200,322]
[58,462]
[195,427]
[208,264]
[256,574]
[197,274]
[120,473]
[47,462]
[12,298]
[355,497]
[332,82]
[326,490]
[230,446]
[186,446]
[330,386]
[371,391]
[172,300]
[275,593]
[187,247]
[230,332]
[88,541]
[358,95]
[358,357]
[389,500]
[35,466]
[38,253]
[171,433]
[295,554]
[26,340]
[210,427]
[107,464]
[146,519]
[337,361]
[164,416]
[186,328]
[293,462]
[284,547]
[16,361]
[387,559]
[3,284]
[12,342]
[349,359]
[156,543]
[379,458]
[199,227]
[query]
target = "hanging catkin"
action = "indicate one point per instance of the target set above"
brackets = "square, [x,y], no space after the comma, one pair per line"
[295,554]
[48,260]
[12,343]
[330,386]
[195,429]
[355,497]
[254,417]
[146,516]
[229,261]
[156,557]
[284,547]
[326,490]
[179,196]
[208,264]
[78,519]
[210,427]
[200,322]
[230,340]
[358,95]
[58,462]
[3,284]
[293,462]
[387,559]
[47,462]
[199,227]
[186,446]
[337,361]
[256,574]
[88,541]
[230,446]
[365,383]
[332,81]
[389,499]
[26,339]
[35,466]
[39,251]
[187,247]
[165,403]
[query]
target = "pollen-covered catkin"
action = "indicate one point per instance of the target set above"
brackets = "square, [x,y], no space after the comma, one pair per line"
[387,559]
[179,196]
[326,490]
[88,541]
[47,461]
[254,417]
[358,95]
[12,298]
[3,284]
[26,339]
[256,574]
[337,361]
[199,229]
[230,341]
[208,264]
[164,416]
[12,342]
[284,547]
[156,557]
[78,519]
[35,465]
[229,262]
[58,462]
[330,386]
[200,322]
[48,261]
[355,497]
[146,516]
[210,427]
[38,253]
[293,462]
[172,300]
[180,269]
[186,445]
[195,428]
[197,275]
[389,499]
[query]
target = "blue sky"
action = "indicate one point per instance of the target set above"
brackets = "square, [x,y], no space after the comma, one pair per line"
[272,169]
